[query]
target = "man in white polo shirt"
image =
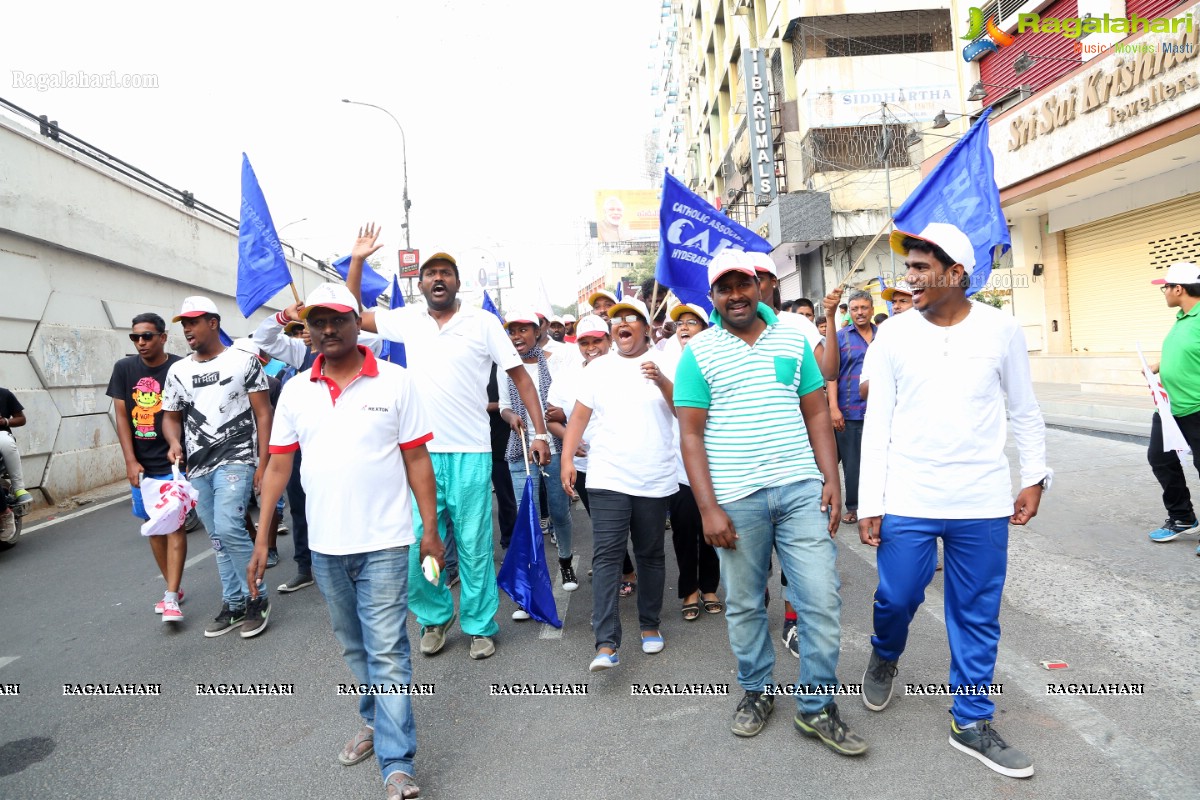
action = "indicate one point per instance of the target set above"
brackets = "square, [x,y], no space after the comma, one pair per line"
[758,447]
[363,431]
[933,466]
[451,348]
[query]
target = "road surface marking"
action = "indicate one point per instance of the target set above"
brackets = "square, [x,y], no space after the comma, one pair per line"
[6,660]
[87,510]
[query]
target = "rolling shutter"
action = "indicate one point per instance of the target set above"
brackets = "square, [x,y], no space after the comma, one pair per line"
[1109,268]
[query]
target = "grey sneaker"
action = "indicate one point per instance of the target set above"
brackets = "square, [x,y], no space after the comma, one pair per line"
[296,583]
[877,682]
[433,638]
[752,713]
[482,647]
[258,611]
[984,743]
[828,726]
[224,622]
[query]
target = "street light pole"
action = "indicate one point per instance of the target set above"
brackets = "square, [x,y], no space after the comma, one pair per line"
[404,160]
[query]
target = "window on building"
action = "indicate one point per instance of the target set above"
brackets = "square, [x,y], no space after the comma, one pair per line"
[846,35]
[855,147]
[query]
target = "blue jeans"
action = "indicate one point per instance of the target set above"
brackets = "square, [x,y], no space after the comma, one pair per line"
[367,595]
[976,562]
[788,519]
[560,504]
[224,494]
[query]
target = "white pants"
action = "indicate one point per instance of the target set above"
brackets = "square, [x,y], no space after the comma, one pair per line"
[12,460]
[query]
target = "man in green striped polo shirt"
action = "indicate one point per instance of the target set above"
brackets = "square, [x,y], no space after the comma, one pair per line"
[758,447]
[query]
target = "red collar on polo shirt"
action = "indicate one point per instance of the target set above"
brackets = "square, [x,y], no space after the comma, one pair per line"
[369,369]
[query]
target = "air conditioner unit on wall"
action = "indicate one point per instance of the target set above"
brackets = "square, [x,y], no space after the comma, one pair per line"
[1008,12]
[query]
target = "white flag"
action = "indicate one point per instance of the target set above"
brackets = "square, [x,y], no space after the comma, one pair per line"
[1173,438]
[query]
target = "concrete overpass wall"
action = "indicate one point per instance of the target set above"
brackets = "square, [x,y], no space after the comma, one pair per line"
[82,250]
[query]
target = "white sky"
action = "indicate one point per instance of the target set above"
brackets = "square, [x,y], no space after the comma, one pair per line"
[515,114]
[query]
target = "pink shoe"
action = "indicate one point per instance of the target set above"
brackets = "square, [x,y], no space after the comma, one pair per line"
[171,612]
[158,607]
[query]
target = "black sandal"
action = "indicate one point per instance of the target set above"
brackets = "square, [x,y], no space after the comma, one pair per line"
[714,606]
[691,611]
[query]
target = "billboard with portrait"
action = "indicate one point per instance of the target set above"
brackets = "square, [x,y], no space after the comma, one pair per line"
[627,215]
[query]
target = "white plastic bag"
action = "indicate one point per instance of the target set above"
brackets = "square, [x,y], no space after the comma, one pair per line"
[167,503]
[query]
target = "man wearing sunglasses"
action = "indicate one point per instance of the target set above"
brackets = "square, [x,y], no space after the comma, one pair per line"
[1180,374]
[136,389]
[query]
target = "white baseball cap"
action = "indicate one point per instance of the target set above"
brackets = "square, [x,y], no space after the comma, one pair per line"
[526,316]
[568,318]
[901,286]
[330,295]
[591,325]
[944,235]
[556,318]
[196,306]
[628,304]
[689,308]
[1181,272]
[730,261]
[764,263]
[596,295]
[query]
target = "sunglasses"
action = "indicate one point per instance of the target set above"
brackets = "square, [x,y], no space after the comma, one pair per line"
[142,337]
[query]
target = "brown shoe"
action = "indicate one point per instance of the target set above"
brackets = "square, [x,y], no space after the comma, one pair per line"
[361,747]
[401,786]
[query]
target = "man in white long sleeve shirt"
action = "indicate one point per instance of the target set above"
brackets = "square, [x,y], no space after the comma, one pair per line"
[933,466]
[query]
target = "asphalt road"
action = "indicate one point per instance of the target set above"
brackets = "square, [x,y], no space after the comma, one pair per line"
[1085,586]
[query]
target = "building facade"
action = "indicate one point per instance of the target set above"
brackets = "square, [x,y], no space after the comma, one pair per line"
[852,90]
[1096,141]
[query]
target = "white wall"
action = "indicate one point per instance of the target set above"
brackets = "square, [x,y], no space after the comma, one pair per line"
[81,252]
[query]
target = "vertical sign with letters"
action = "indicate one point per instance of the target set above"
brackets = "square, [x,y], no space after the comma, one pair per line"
[758,125]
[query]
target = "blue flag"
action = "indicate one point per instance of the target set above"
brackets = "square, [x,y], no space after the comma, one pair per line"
[394,351]
[225,338]
[524,576]
[262,269]
[962,190]
[488,305]
[690,233]
[373,284]
[620,292]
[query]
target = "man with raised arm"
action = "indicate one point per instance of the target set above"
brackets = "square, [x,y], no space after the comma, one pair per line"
[451,347]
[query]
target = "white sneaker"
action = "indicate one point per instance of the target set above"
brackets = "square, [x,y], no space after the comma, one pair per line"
[520,614]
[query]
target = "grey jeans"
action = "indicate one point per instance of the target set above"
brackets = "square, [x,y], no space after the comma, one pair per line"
[616,519]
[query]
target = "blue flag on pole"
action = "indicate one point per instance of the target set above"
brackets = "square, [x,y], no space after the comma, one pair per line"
[690,233]
[225,338]
[394,351]
[524,576]
[489,306]
[373,284]
[962,190]
[262,269]
[620,291]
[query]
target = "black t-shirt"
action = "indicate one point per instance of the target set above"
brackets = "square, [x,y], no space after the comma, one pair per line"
[141,388]
[10,406]
[500,428]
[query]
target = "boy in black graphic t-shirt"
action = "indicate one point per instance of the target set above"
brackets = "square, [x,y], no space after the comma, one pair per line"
[136,389]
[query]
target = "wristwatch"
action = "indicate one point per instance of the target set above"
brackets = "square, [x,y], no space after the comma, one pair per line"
[542,437]
[1046,481]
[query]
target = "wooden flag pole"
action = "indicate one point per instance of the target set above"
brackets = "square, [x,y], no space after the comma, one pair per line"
[863,256]
[295,294]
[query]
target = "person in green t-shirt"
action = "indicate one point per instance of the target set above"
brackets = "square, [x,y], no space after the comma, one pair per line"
[1180,374]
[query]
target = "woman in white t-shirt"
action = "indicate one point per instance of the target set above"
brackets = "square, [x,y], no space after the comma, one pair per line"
[593,340]
[523,331]
[699,567]
[631,474]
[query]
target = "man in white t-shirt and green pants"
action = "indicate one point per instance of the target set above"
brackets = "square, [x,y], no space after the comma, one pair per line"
[933,467]
[451,347]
